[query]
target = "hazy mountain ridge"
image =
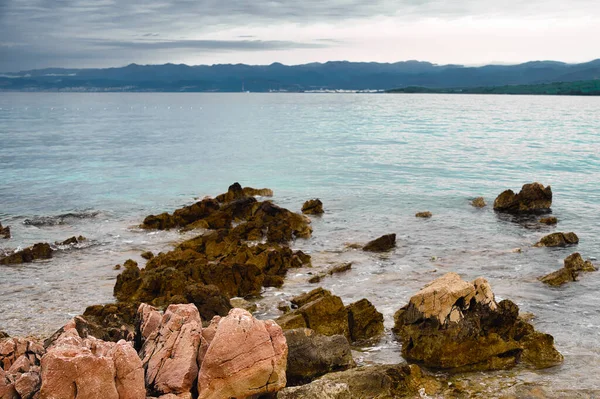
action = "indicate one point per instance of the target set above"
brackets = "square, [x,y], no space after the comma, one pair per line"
[334,75]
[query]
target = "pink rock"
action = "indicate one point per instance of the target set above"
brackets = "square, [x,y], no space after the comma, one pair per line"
[150,320]
[7,387]
[21,365]
[28,384]
[170,352]
[208,334]
[130,373]
[246,357]
[13,348]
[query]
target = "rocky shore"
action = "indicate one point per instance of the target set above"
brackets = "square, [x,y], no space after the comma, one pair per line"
[178,328]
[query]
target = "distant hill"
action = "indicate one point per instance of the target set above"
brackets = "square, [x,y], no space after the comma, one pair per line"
[339,75]
[578,88]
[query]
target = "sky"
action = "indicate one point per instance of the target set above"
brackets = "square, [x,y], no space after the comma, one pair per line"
[108,33]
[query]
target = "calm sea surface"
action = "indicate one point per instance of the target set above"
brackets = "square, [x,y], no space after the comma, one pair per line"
[96,164]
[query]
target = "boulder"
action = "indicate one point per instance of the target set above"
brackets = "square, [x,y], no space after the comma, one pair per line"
[378,381]
[364,320]
[243,304]
[72,241]
[311,355]
[558,240]
[533,198]
[381,244]
[147,255]
[111,322]
[424,215]
[342,267]
[4,231]
[478,202]
[455,324]
[28,255]
[313,207]
[170,350]
[90,368]
[573,265]
[550,220]
[246,357]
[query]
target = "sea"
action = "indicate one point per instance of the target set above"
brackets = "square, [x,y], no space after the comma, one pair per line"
[95,164]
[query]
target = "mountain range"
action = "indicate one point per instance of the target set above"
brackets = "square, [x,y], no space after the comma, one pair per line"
[334,75]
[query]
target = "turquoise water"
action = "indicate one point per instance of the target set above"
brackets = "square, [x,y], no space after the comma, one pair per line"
[104,161]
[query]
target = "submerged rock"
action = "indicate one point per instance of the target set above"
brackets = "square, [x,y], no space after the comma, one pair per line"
[72,241]
[378,381]
[364,320]
[424,215]
[573,265]
[533,198]
[455,324]
[550,220]
[558,240]
[478,202]
[4,232]
[311,355]
[37,251]
[245,357]
[313,207]
[343,267]
[381,244]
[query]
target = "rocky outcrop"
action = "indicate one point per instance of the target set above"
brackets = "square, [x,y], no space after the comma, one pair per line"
[455,324]
[4,232]
[19,367]
[478,202]
[313,207]
[573,266]
[311,355]
[28,255]
[245,357]
[550,220]
[424,215]
[74,367]
[364,320]
[342,267]
[381,244]
[558,240]
[533,198]
[380,381]
[170,348]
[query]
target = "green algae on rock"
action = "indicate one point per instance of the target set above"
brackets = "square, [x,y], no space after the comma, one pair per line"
[573,265]
[533,198]
[558,240]
[313,207]
[454,324]
[381,244]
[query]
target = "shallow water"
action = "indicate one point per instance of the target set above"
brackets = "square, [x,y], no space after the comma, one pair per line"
[96,164]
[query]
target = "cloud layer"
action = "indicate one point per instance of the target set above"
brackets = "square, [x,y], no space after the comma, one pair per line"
[89,33]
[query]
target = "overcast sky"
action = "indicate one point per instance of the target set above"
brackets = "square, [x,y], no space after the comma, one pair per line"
[102,33]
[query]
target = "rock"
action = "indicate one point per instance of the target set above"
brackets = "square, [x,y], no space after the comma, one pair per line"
[342,267]
[27,384]
[311,355]
[243,304]
[15,350]
[364,320]
[550,220]
[28,255]
[90,368]
[4,232]
[381,244]
[478,202]
[573,265]
[72,241]
[454,324]
[558,240]
[3,335]
[7,387]
[111,322]
[424,215]
[378,381]
[533,198]
[318,310]
[169,352]
[260,192]
[313,207]
[246,357]
[147,255]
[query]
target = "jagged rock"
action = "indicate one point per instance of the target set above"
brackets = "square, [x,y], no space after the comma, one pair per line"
[381,244]
[3,335]
[424,215]
[478,202]
[533,198]
[169,352]
[573,265]
[4,232]
[558,240]
[318,310]
[13,349]
[454,324]
[28,255]
[7,387]
[343,267]
[90,368]
[243,304]
[313,207]
[27,384]
[311,355]
[147,255]
[364,320]
[550,220]
[111,322]
[379,381]
[72,241]
[245,357]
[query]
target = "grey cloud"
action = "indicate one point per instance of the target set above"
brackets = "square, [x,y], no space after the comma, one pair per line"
[243,45]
